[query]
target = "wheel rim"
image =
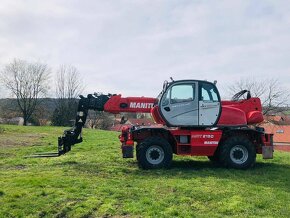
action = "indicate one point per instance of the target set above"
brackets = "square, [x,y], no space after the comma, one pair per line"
[239,154]
[154,154]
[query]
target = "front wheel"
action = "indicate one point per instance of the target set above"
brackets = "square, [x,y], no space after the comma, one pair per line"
[238,152]
[214,159]
[154,153]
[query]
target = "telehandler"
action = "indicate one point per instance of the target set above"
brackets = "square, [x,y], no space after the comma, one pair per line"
[191,120]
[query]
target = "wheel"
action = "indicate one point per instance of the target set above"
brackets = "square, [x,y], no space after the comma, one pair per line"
[153,153]
[238,152]
[137,151]
[214,159]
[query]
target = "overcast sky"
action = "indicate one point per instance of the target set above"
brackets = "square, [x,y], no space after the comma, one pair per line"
[131,46]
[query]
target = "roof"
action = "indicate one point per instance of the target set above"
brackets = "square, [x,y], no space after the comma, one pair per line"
[276,119]
[117,127]
[134,122]
[273,118]
[281,132]
[140,122]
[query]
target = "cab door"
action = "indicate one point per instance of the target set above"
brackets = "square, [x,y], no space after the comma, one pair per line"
[179,104]
[209,104]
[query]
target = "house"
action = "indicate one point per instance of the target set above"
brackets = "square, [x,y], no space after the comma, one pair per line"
[140,122]
[117,126]
[15,121]
[281,135]
[278,119]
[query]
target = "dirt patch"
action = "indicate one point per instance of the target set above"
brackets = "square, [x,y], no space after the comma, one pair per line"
[20,167]
[15,140]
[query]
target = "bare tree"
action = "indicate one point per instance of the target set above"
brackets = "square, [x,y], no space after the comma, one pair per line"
[104,120]
[69,83]
[273,96]
[27,82]
[68,87]
[92,120]
[99,120]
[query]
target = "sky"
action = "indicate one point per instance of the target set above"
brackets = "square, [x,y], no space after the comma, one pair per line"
[130,47]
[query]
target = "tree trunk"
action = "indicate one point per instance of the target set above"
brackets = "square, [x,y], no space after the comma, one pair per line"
[25,120]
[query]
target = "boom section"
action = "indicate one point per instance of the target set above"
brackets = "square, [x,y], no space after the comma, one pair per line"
[117,104]
[100,102]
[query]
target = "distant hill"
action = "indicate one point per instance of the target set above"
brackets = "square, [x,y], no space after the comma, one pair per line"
[9,106]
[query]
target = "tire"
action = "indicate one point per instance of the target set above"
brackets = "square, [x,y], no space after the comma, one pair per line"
[237,152]
[154,153]
[137,151]
[214,159]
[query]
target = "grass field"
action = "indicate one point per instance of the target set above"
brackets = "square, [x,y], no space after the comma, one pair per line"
[94,181]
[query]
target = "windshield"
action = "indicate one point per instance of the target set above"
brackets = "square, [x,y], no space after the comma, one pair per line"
[165,85]
[164,88]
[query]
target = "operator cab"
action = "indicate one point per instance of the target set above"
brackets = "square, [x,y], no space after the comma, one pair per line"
[190,103]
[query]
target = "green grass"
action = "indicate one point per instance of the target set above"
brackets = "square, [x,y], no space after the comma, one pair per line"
[287,112]
[94,181]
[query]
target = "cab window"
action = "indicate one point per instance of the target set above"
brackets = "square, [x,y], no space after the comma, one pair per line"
[182,93]
[209,92]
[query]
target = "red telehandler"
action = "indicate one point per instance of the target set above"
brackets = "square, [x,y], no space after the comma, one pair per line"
[193,120]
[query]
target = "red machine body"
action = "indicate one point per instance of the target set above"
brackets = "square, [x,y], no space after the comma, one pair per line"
[191,119]
[232,123]
[117,104]
[243,112]
[234,113]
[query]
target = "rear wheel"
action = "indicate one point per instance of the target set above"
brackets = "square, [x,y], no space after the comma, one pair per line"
[237,152]
[154,153]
